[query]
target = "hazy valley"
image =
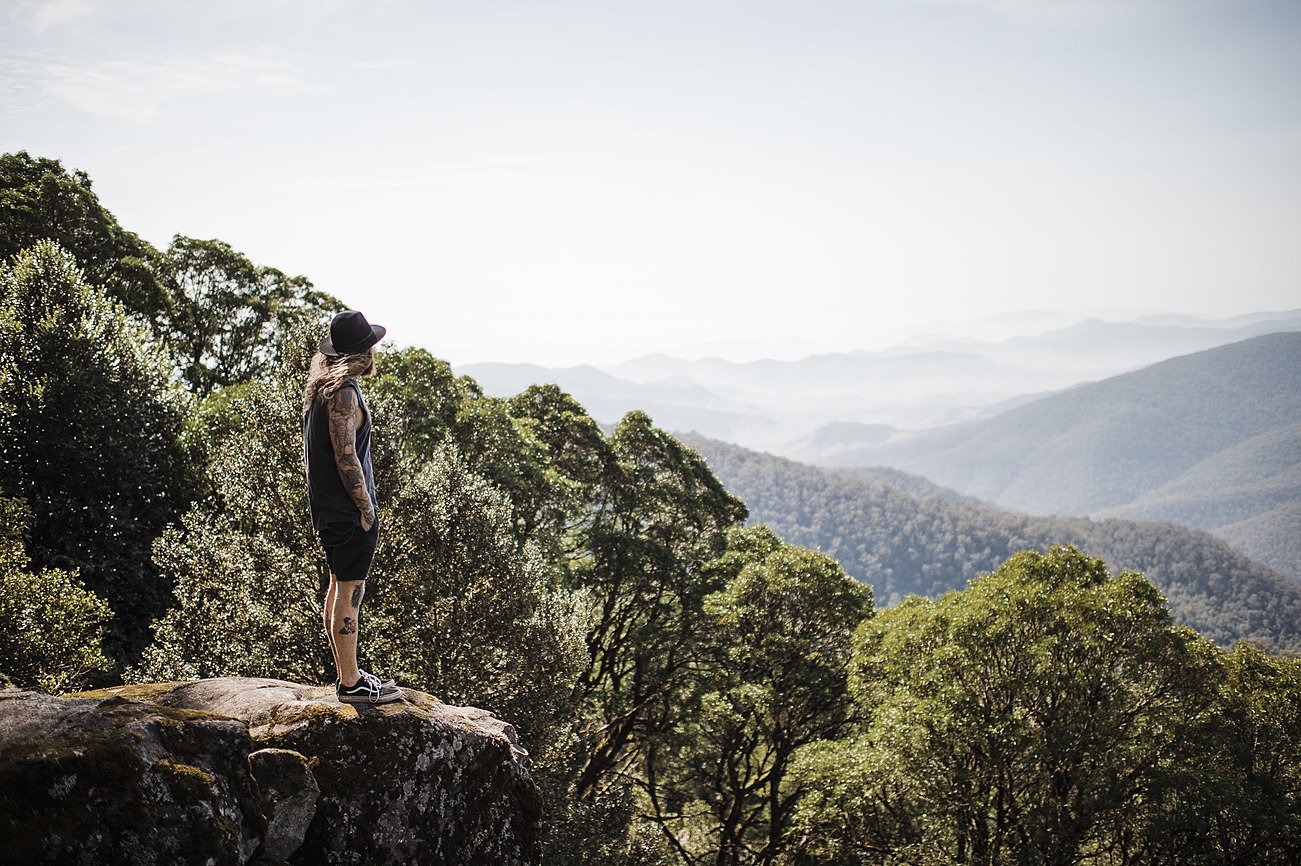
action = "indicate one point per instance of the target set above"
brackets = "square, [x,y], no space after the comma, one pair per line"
[821,406]
[1169,419]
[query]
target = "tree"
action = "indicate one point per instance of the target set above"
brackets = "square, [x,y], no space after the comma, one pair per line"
[1237,797]
[244,563]
[1258,819]
[659,517]
[227,317]
[91,419]
[51,627]
[221,317]
[577,458]
[1025,719]
[41,200]
[777,666]
[461,606]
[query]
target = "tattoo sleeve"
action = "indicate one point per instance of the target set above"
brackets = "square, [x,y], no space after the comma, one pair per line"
[343,435]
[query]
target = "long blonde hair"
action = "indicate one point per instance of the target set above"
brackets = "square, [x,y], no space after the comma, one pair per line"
[328,373]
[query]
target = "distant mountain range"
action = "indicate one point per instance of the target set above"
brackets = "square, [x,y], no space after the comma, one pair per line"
[1210,440]
[903,535]
[781,406]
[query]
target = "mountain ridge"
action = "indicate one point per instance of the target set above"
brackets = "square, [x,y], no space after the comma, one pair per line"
[1104,449]
[775,404]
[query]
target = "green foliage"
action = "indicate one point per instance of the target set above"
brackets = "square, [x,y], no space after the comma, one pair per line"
[1052,713]
[540,448]
[227,318]
[1237,799]
[576,460]
[420,400]
[246,566]
[41,200]
[245,606]
[91,421]
[460,607]
[1262,700]
[773,681]
[600,830]
[659,517]
[51,627]
[222,318]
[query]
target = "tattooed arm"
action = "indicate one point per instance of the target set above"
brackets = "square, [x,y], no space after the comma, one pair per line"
[344,416]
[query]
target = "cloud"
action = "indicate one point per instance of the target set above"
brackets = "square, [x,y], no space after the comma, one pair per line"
[382,65]
[1069,13]
[471,171]
[140,91]
[58,12]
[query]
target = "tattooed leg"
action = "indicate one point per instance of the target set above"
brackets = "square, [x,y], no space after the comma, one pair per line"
[343,620]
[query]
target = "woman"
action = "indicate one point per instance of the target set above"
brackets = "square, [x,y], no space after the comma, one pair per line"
[341,492]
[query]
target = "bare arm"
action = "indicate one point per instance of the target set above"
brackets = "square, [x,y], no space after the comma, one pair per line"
[345,413]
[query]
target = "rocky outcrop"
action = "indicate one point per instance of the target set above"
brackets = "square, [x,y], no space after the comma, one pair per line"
[258,771]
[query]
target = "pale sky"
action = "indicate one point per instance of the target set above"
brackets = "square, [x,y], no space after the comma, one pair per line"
[566,182]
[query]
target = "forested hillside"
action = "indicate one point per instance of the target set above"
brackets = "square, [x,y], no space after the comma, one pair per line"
[1209,440]
[691,690]
[903,544]
[1249,495]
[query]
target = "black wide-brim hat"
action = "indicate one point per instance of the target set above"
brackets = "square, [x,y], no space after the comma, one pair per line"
[350,333]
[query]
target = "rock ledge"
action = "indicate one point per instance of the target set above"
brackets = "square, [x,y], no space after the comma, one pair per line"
[259,771]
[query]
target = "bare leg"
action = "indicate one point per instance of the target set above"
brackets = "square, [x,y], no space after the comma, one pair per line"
[342,611]
[326,609]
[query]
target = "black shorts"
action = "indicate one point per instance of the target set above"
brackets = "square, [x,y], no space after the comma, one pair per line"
[349,549]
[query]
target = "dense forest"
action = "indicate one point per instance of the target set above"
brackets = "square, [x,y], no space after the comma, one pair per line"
[905,536]
[692,689]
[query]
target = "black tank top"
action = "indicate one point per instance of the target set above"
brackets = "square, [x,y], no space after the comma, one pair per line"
[327,498]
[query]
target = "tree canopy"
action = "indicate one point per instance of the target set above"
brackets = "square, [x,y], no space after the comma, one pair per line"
[1049,713]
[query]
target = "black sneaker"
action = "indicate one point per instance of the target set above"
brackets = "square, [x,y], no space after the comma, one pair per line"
[367,691]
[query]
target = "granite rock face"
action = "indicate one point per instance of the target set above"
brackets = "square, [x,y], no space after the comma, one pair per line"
[259,771]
